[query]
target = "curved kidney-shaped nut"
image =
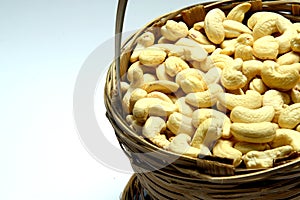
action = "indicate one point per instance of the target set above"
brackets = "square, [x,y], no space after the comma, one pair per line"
[234,28]
[287,137]
[251,99]
[124,87]
[161,73]
[174,64]
[245,147]
[204,65]
[161,86]
[246,115]
[295,43]
[173,30]
[224,149]
[204,99]
[266,48]
[221,60]
[152,129]
[290,116]
[252,68]
[136,95]
[208,132]
[213,25]
[145,40]
[238,12]
[192,49]
[200,115]
[244,52]
[277,77]
[295,93]
[258,85]
[149,77]
[245,39]
[261,132]
[232,78]
[152,56]
[153,107]
[183,107]
[159,95]
[181,144]
[179,123]
[288,58]
[213,75]
[191,80]
[198,37]
[265,159]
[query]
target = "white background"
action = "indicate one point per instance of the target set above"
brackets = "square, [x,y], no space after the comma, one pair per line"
[43,45]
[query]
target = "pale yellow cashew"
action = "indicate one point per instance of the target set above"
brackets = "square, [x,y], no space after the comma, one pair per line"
[238,12]
[124,87]
[208,132]
[204,65]
[295,43]
[290,116]
[179,123]
[258,85]
[266,47]
[192,49]
[159,95]
[213,25]
[199,37]
[181,144]
[252,68]
[265,159]
[244,52]
[221,60]
[138,66]
[198,25]
[204,99]
[174,64]
[228,46]
[234,28]
[173,30]
[251,99]
[183,107]
[288,58]
[295,93]
[232,78]
[136,95]
[281,78]
[153,107]
[246,115]
[152,56]
[200,115]
[133,124]
[245,147]
[149,77]
[152,129]
[161,86]
[161,73]
[213,75]
[287,137]
[224,149]
[145,40]
[261,132]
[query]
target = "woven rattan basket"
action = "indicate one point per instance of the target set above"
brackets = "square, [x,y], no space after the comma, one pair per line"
[165,175]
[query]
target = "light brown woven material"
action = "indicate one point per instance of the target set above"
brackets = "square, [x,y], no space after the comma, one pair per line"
[191,178]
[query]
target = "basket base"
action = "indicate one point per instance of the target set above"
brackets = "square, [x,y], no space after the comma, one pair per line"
[134,190]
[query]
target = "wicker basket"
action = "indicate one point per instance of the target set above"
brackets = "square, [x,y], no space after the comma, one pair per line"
[192,178]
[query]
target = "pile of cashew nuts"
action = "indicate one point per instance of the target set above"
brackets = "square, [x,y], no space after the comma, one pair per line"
[224,87]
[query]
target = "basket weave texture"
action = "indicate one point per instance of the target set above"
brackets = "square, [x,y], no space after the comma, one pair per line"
[192,178]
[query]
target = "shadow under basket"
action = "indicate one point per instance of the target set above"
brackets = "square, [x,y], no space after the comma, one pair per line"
[163,175]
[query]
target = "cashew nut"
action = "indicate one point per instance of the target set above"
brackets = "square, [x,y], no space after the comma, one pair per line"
[181,144]
[238,12]
[152,129]
[224,149]
[258,85]
[192,49]
[152,56]
[287,137]
[161,86]
[136,95]
[208,132]
[145,40]
[252,68]
[221,60]
[174,64]
[173,30]
[213,25]
[279,78]
[265,48]
[204,99]
[295,43]
[265,159]
[159,95]
[295,93]
[246,115]
[198,37]
[245,147]
[251,99]
[183,107]
[213,75]
[161,73]
[234,28]
[179,123]
[290,116]
[261,132]
[288,58]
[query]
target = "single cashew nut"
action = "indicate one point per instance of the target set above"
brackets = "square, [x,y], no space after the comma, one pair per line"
[288,58]
[173,30]
[161,86]
[191,80]
[247,115]
[251,99]
[261,132]
[145,40]
[234,28]
[295,43]
[224,149]
[213,25]
[265,48]
[295,93]
[238,12]
[159,95]
[213,75]
[181,144]
[232,78]
[200,115]
[179,123]
[204,99]
[161,73]
[208,132]
[258,85]
[221,60]
[290,116]
[245,147]
[199,37]
[192,49]
[279,78]
[152,56]
[244,52]
[252,68]
[152,129]
[136,95]
[174,64]
[287,137]
[183,107]
[265,159]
